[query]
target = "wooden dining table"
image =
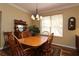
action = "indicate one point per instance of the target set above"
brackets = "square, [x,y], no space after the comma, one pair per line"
[33,41]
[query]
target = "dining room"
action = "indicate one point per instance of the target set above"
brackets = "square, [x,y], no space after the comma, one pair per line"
[39,29]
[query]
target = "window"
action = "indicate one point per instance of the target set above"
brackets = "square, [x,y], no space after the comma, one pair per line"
[53,24]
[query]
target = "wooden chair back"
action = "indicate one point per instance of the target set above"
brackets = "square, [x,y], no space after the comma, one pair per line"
[14,46]
[47,47]
[6,39]
[50,38]
[11,43]
[26,33]
[21,51]
[45,33]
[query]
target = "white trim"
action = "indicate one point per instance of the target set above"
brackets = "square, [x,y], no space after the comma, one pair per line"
[1,48]
[64,45]
[20,8]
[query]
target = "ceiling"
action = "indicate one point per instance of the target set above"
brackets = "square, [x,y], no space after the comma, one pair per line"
[42,7]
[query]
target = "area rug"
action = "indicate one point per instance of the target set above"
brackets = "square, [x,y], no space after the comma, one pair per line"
[56,51]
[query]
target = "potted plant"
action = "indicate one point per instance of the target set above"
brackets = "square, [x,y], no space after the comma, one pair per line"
[34,30]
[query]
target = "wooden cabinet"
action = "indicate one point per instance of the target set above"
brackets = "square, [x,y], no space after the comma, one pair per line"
[77,44]
[16,29]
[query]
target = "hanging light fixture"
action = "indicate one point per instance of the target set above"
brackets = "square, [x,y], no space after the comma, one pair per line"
[36,16]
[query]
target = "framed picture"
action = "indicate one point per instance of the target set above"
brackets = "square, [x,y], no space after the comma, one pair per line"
[71,23]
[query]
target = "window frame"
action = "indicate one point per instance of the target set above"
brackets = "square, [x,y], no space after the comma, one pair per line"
[51,25]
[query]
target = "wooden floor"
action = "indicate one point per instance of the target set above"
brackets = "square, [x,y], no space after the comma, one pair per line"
[58,51]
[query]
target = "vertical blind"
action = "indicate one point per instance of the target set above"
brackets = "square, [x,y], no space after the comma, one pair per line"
[52,24]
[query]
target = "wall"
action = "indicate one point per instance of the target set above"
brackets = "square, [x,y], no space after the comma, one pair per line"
[9,13]
[68,38]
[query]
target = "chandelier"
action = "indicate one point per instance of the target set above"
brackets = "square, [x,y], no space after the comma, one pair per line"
[36,16]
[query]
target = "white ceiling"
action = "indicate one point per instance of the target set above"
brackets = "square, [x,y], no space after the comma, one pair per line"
[43,7]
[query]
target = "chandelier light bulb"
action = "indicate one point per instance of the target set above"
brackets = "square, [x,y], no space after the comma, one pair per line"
[33,17]
[37,16]
[41,17]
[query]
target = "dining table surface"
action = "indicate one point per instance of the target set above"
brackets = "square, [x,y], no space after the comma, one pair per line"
[33,41]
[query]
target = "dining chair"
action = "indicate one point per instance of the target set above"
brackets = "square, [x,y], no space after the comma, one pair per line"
[5,39]
[45,33]
[15,46]
[26,51]
[26,33]
[50,38]
[47,47]
[6,44]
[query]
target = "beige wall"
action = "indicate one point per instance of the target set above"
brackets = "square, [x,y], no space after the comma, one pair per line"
[68,38]
[9,13]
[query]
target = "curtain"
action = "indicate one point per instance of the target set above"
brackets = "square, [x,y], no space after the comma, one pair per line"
[52,24]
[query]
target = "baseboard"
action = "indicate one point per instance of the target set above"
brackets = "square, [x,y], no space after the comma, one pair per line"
[1,48]
[64,45]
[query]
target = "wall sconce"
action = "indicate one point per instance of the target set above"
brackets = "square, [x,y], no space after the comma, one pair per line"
[71,23]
